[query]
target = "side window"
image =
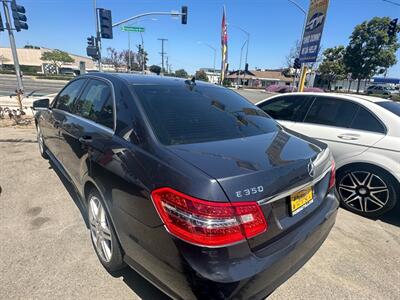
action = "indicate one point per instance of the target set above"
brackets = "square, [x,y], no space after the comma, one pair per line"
[331,111]
[287,108]
[364,120]
[66,98]
[96,103]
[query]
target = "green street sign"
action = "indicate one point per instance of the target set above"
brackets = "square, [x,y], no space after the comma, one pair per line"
[132,28]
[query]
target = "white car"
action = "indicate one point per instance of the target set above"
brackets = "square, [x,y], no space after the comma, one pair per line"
[363,133]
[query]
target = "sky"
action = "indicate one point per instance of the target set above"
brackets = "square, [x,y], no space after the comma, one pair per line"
[274,27]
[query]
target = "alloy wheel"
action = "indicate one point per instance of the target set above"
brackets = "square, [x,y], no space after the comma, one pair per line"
[100,229]
[40,140]
[363,191]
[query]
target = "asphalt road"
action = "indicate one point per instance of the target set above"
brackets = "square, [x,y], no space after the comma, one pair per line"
[41,86]
[44,87]
[45,249]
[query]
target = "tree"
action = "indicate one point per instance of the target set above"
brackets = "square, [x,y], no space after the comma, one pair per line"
[370,49]
[181,73]
[155,69]
[201,75]
[57,58]
[3,59]
[129,59]
[114,58]
[293,54]
[332,66]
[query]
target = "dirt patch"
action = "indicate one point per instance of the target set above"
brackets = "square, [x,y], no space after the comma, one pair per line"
[25,122]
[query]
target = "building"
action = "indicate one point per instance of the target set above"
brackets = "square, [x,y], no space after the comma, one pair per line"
[213,75]
[259,79]
[29,60]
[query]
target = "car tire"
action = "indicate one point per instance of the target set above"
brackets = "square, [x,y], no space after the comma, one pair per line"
[41,143]
[102,234]
[366,190]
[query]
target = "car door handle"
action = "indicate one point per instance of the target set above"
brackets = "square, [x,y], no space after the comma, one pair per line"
[349,136]
[85,140]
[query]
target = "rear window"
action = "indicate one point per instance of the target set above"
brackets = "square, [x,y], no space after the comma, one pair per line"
[184,115]
[394,107]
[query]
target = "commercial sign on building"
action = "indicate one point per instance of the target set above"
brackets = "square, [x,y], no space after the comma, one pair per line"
[313,30]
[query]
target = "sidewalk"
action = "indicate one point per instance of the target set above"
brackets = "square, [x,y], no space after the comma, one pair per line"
[12,103]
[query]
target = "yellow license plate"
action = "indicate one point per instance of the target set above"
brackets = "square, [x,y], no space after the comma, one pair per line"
[300,200]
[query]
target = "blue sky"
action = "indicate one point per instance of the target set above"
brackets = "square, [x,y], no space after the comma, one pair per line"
[274,26]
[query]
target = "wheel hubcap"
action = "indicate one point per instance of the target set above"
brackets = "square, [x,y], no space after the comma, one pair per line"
[363,191]
[100,229]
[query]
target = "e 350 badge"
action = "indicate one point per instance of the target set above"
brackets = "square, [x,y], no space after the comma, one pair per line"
[249,191]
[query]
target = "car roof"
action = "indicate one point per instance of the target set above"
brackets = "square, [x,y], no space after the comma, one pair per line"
[140,79]
[354,97]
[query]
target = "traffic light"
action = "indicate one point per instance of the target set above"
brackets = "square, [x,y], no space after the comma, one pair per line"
[392,28]
[92,50]
[184,14]
[297,64]
[1,24]
[246,67]
[18,13]
[106,29]
[90,41]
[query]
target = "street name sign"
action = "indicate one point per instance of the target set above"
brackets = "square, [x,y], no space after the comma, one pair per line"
[132,28]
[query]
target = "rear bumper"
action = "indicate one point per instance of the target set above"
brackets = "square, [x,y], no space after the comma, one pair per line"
[236,272]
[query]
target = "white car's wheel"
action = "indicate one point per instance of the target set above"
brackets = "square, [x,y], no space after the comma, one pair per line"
[367,191]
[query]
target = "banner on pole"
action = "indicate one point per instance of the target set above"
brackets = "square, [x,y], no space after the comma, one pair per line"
[313,30]
[224,47]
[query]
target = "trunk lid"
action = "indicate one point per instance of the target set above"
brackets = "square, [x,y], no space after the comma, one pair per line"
[257,168]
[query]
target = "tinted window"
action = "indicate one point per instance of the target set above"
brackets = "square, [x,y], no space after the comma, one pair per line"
[332,112]
[68,95]
[391,106]
[96,103]
[364,120]
[183,115]
[288,108]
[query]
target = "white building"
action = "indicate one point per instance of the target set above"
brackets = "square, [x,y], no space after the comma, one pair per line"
[29,59]
[213,75]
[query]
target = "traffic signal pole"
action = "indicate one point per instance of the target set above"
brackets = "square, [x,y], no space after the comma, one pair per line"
[20,86]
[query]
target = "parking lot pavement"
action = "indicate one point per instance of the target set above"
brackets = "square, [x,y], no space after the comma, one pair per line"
[254,95]
[45,250]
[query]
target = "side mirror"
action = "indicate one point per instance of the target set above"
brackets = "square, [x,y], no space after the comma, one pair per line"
[41,104]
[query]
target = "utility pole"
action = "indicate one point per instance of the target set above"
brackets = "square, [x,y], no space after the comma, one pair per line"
[162,53]
[20,86]
[98,38]
[167,65]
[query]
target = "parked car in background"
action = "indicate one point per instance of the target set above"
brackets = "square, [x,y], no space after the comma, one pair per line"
[275,88]
[363,134]
[381,90]
[190,184]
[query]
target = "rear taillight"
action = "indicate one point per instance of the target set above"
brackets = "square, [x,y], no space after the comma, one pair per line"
[332,179]
[208,223]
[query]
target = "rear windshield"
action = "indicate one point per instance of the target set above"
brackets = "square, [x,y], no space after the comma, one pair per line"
[394,107]
[184,114]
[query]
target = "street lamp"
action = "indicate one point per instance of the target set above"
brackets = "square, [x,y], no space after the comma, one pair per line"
[240,62]
[212,48]
[247,42]
[302,32]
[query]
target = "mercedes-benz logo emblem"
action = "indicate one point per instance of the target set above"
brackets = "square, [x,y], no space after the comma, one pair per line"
[311,168]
